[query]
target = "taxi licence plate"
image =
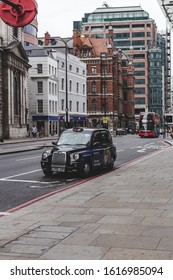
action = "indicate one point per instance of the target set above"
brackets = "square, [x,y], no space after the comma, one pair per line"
[58,169]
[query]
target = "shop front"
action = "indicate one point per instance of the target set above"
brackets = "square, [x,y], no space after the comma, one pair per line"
[46,125]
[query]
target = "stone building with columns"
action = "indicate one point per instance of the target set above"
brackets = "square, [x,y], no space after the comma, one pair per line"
[13,83]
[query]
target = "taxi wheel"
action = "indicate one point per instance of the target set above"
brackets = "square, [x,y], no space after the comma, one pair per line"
[47,173]
[85,170]
[111,164]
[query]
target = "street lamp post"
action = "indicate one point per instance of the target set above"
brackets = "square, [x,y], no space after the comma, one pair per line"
[66,86]
[53,41]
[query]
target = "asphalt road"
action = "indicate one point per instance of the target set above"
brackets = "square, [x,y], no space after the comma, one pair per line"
[22,180]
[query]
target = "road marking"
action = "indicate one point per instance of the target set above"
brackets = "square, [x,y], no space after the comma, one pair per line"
[27,158]
[21,174]
[141,151]
[4,213]
[23,181]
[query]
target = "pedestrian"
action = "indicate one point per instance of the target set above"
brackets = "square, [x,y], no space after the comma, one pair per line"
[164,133]
[34,131]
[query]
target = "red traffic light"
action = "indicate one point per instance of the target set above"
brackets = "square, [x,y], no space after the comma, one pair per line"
[17,13]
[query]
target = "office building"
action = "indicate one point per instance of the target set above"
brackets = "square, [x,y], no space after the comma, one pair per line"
[133,29]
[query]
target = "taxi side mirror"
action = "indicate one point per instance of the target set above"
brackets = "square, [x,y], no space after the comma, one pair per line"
[54,143]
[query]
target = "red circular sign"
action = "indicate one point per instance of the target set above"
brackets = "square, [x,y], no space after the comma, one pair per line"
[18,17]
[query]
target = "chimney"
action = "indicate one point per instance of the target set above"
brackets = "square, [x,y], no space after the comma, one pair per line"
[46,38]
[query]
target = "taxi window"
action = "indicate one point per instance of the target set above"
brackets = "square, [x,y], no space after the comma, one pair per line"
[96,137]
[104,137]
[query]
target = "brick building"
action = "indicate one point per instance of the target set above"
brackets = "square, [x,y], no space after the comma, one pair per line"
[110,81]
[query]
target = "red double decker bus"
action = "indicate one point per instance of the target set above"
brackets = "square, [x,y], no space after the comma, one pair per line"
[149,124]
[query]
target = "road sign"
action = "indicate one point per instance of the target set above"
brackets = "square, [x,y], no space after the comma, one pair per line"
[17,13]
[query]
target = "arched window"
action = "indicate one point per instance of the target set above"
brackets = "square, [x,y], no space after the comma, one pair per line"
[15,97]
[93,105]
[93,88]
[104,88]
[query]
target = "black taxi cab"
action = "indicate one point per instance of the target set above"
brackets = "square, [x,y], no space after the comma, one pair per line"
[80,150]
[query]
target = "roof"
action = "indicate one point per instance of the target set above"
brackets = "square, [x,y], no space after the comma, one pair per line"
[37,51]
[98,45]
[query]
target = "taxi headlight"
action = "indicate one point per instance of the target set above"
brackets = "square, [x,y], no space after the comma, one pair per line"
[75,156]
[46,154]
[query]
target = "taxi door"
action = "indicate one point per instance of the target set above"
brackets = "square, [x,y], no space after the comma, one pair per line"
[97,150]
[106,148]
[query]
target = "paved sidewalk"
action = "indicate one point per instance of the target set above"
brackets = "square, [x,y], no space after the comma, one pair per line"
[124,214]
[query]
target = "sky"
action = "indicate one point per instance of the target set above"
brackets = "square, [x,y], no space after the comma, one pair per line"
[57,17]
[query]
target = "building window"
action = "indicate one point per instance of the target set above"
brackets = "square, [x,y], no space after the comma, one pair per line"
[104,88]
[70,67]
[125,96]
[62,64]
[139,73]
[53,88]
[104,70]
[83,88]
[83,107]
[70,106]
[138,43]
[40,68]
[139,81]
[77,106]
[39,87]
[40,106]
[50,108]
[50,88]
[94,105]
[62,104]
[139,100]
[124,83]
[139,64]
[15,31]
[93,70]
[77,87]
[140,91]
[70,85]
[15,98]
[93,88]
[138,34]
[62,83]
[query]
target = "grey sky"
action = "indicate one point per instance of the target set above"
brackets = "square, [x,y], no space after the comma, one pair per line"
[57,17]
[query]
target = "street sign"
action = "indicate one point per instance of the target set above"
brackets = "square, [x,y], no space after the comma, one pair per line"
[17,13]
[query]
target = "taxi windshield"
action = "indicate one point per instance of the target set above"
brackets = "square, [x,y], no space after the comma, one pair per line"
[74,138]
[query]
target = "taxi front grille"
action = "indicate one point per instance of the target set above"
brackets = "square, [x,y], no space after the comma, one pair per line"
[59,158]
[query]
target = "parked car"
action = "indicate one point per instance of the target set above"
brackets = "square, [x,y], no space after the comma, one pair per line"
[80,150]
[121,131]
